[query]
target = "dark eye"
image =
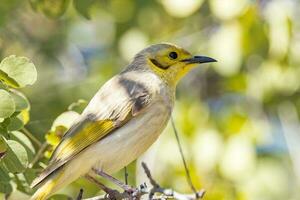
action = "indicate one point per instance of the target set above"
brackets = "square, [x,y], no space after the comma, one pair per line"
[173,55]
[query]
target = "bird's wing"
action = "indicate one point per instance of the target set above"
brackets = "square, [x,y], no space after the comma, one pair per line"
[112,107]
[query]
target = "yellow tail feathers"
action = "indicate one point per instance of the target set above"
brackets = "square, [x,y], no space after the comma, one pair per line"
[44,191]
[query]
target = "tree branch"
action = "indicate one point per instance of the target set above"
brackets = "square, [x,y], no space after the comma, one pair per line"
[156,192]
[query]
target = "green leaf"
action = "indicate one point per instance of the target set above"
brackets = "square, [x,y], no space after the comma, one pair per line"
[20,100]
[5,188]
[30,175]
[4,177]
[83,7]
[54,8]
[21,69]
[3,127]
[78,106]
[7,105]
[16,159]
[25,141]
[66,119]
[15,124]
[8,80]
[3,147]
[22,184]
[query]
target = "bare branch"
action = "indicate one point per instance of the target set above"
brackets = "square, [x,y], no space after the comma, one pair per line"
[156,192]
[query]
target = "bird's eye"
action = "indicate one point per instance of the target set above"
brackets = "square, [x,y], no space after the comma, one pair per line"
[173,55]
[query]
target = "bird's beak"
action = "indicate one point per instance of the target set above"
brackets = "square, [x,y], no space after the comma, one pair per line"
[199,59]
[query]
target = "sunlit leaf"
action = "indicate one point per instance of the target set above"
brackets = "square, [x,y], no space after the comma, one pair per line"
[16,159]
[24,140]
[7,105]
[83,7]
[8,80]
[20,100]
[66,119]
[21,69]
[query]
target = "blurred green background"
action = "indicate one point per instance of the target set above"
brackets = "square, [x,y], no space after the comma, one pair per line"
[238,118]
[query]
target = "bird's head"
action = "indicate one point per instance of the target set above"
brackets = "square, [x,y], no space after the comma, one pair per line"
[169,61]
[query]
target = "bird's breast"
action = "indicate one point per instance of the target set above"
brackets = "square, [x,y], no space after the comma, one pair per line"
[131,140]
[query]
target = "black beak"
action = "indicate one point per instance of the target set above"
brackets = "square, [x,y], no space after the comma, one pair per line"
[199,59]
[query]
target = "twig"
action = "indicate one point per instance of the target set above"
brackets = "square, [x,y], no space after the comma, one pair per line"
[79,197]
[156,192]
[39,154]
[169,193]
[188,175]
[106,189]
[112,179]
[126,175]
[31,136]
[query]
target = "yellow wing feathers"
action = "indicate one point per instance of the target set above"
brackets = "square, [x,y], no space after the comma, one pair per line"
[118,108]
[74,142]
[89,133]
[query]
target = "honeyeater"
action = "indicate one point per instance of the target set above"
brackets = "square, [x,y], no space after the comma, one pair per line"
[122,120]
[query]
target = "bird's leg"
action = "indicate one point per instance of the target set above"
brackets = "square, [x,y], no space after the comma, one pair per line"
[113,194]
[129,189]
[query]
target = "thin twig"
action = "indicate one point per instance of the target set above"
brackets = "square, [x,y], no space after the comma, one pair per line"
[39,154]
[31,136]
[112,179]
[188,176]
[154,193]
[79,197]
[169,193]
[126,175]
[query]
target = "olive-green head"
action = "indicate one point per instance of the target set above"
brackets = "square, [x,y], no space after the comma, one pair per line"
[168,61]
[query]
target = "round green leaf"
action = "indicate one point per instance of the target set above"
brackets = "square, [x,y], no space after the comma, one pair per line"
[21,69]
[15,124]
[24,140]
[16,159]
[20,100]
[7,105]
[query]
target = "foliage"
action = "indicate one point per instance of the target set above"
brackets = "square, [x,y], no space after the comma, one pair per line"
[238,118]
[16,149]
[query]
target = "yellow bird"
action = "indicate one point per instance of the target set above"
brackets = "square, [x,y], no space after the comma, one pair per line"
[122,120]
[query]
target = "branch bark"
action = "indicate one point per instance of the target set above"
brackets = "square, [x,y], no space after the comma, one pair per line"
[155,192]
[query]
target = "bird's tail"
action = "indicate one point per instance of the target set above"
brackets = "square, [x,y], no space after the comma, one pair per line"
[51,184]
[44,191]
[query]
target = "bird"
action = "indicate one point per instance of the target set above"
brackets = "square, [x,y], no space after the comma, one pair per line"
[123,119]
